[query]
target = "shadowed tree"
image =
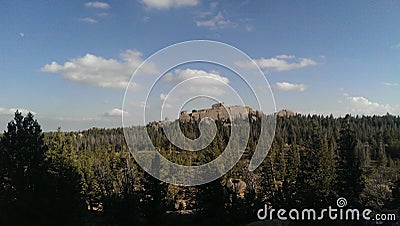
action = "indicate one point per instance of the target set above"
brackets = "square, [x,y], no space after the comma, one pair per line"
[289,184]
[35,190]
[22,162]
[317,171]
[64,181]
[350,181]
[154,193]
[211,200]
[396,193]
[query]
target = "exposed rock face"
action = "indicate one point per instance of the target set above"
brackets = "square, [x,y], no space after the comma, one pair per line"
[285,113]
[236,186]
[180,204]
[217,111]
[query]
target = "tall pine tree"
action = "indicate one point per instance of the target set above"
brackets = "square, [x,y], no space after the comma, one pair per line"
[350,181]
[22,163]
[317,170]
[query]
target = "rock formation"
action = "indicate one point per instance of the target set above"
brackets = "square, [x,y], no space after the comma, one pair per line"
[285,113]
[217,111]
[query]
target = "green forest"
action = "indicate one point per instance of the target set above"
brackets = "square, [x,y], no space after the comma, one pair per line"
[90,177]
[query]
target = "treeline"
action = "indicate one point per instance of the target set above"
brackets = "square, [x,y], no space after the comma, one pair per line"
[90,178]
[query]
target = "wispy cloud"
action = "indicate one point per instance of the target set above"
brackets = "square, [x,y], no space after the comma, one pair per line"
[116,112]
[397,46]
[209,12]
[97,71]
[249,27]
[216,22]
[189,82]
[210,78]
[21,34]
[286,86]
[89,20]
[97,5]
[284,56]
[391,84]
[246,23]
[215,19]
[167,4]
[11,111]
[279,63]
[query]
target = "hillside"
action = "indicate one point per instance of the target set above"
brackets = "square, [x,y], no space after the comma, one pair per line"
[350,155]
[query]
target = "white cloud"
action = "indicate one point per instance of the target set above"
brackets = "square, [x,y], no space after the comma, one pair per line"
[216,22]
[391,84]
[89,20]
[163,96]
[279,63]
[116,112]
[97,5]
[284,56]
[361,105]
[210,78]
[11,111]
[192,83]
[166,4]
[286,86]
[97,71]
[21,34]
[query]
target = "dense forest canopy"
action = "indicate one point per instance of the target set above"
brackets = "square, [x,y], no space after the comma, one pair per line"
[89,177]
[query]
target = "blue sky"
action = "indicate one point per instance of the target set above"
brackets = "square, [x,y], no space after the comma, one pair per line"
[69,61]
